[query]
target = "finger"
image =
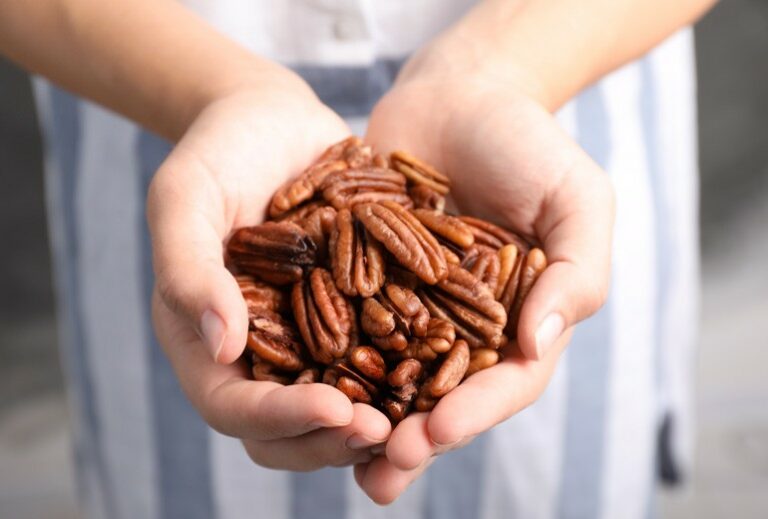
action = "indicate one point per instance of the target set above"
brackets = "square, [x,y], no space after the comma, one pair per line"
[383,482]
[186,221]
[336,447]
[576,228]
[410,444]
[492,395]
[237,406]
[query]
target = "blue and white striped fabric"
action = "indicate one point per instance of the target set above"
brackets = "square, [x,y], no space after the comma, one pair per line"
[586,449]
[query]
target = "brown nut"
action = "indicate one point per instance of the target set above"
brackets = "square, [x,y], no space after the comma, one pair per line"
[468,304]
[485,266]
[424,400]
[354,390]
[492,235]
[452,369]
[350,187]
[419,172]
[301,189]
[261,296]
[277,252]
[507,266]
[425,197]
[393,316]
[324,316]
[274,340]
[535,263]
[406,372]
[369,362]
[405,237]
[357,258]
[446,226]
[482,358]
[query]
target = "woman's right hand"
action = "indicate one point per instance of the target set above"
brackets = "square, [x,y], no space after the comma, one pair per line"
[218,178]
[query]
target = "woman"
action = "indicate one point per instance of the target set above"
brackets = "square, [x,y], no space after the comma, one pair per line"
[250,103]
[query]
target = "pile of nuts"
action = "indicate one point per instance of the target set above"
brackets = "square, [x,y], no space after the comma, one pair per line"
[361,280]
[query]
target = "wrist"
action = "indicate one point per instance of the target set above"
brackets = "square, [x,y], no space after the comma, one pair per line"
[461,62]
[261,80]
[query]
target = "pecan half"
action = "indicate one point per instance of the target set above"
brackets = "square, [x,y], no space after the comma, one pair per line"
[468,304]
[403,388]
[482,358]
[508,263]
[261,296]
[424,197]
[369,362]
[274,340]
[350,187]
[439,338]
[324,316]
[535,263]
[345,154]
[394,315]
[303,188]
[355,391]
[319,224]
[424,400]
[277,252]
[446,226]
[485,266]
[419,172]
[357,258]
[452,370]
[412,245]
[492,235]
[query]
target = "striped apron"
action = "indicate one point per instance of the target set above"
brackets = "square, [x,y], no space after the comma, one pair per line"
[586,449]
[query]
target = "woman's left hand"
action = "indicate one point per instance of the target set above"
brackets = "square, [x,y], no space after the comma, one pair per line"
[510,162]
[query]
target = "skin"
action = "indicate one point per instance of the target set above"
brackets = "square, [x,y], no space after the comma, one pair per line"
[478,103]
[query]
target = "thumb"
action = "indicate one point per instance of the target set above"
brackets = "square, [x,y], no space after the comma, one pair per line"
[576,225]
[186,223]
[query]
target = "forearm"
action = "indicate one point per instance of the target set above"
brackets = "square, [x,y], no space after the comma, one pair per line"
[151,60]
[554,48]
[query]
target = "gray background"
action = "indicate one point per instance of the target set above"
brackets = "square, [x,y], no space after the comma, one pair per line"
[731,476]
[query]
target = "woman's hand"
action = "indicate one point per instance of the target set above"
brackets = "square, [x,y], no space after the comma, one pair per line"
[511,163]
[219,177]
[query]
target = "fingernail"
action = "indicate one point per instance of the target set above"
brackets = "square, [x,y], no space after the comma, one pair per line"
[358,441]
[547,333]
[378,450]
[447,445]
[213,332]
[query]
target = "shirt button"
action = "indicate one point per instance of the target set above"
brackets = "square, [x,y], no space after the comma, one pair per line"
[348,28]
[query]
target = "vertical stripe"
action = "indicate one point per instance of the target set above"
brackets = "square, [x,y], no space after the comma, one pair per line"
[588,359]
[671,75]
[319,495]
[351,91]
[63,132]
[665,247]
[409,505]
[240,486]
[108,204]
[523,458]
[631,408]
[454,482]
[181,442]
